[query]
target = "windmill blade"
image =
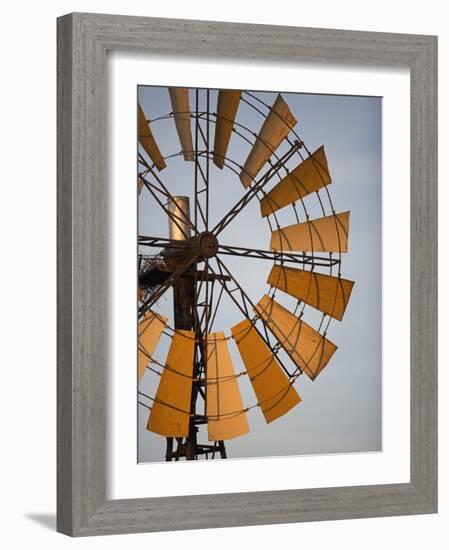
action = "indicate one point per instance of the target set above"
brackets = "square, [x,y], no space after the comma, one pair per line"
[227,105]
[309,176]
[328,234]
[275,129]
[307,348]
[149,332]
[170,413]
[224,406]
[324,292]
[148,142]
[180,103]
[275,393]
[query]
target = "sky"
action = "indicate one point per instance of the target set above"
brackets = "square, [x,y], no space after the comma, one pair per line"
[340,411]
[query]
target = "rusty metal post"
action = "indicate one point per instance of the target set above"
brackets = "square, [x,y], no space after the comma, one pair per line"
[183,290]
[183,296]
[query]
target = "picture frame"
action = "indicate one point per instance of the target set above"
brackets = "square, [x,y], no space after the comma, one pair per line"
[83,41]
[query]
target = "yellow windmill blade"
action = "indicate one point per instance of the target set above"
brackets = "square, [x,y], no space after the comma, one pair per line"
[309,176]
[324,292]
[273,389]
[307,348]
[149,333]
[328,234]
[275,129]
[148,142]
[227,105]
[170,413]
[224,406]
[180,103]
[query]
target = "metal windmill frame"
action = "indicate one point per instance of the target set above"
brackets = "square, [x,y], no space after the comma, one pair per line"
[185,278]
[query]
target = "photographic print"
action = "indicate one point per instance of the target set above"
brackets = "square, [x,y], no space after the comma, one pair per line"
[259,274]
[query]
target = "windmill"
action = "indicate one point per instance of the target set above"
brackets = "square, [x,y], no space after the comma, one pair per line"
[198,380]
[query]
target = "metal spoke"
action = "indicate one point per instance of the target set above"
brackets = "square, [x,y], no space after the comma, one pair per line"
[253,190]
[170,215]
[162,242]
[207,158]
[195,209]
[166,285]
[164,191]
[243,307]
[201,210]
[274,255]
[214,314]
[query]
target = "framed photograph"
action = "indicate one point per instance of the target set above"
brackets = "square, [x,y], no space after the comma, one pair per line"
[247,287]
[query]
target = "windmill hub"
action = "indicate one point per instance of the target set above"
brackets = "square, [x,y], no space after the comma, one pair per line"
[208,244]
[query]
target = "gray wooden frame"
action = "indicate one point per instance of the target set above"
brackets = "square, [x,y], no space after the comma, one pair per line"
[83,40]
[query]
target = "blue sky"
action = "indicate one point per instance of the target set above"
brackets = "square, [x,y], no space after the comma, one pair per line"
[341,410]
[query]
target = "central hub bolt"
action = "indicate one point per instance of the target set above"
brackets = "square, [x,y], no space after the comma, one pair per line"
[208,244]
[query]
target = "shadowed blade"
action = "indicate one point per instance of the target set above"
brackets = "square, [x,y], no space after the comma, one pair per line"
[328,234]
[170,413]
[275,129]
[308,349]
[224,409]
[149,332]
[324,292]
[180,103]
[227,105]
[273,389]
[148,142]
[309,176]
